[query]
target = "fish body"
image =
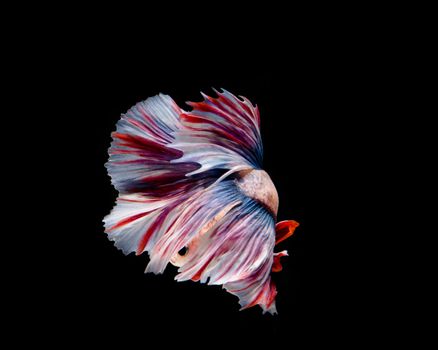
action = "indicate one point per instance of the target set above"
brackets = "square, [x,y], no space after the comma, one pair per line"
[194,180]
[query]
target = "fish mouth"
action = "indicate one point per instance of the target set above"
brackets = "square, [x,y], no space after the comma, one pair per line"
[257,184]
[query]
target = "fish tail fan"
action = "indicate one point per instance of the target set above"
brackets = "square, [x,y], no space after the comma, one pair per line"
[139,156]
[220,133]
[152,190]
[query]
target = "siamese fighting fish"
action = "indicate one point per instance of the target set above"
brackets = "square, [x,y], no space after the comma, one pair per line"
[192,192]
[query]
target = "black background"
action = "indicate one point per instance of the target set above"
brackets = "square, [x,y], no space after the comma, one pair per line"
[343,106]
[308,85]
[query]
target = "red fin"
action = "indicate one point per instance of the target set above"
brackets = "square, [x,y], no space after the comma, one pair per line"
[284,229]
[276,266]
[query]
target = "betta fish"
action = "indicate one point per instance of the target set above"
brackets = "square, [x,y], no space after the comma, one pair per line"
[192,193]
